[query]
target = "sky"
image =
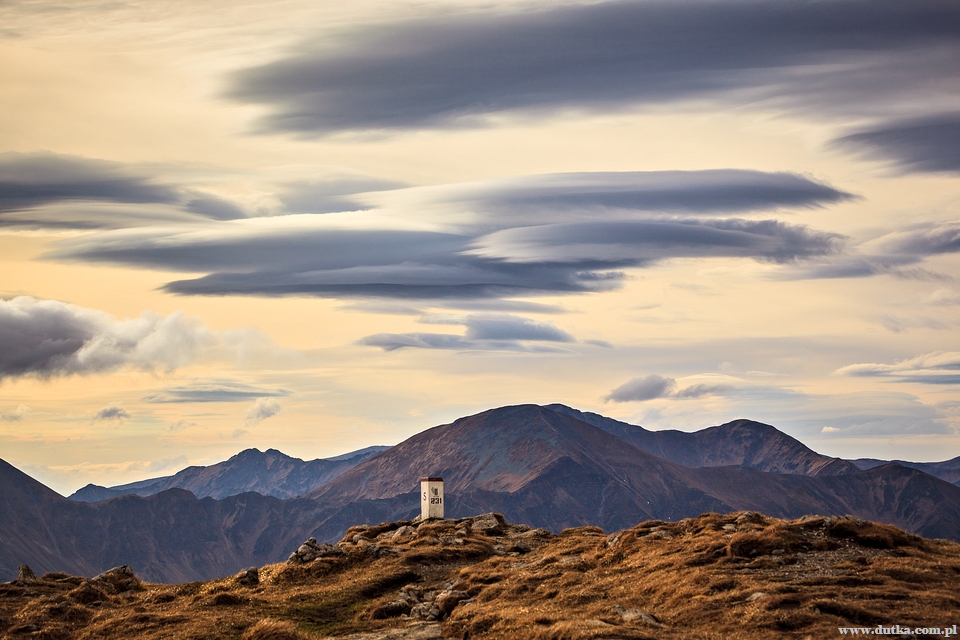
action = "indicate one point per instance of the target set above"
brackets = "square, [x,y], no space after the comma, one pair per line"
[318,226]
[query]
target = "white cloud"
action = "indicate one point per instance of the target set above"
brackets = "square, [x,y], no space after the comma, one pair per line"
[262,409]
[16,415]
[938,367]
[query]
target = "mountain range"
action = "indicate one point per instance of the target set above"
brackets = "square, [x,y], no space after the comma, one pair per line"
[270,473]
[545,466]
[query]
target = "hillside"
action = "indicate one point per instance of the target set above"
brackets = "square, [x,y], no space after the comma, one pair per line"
[741,442]
[739,576]
[550,469]
[948,470]
[269,473]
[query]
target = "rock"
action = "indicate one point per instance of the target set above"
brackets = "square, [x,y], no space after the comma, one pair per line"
[446,602]
[532,533]
[310,551]
[26,574]
[757,596]
[123,571]
[405,530]
[249,577]
[120,578]
[421,611]
[491,524]
[632,615]
[519,546]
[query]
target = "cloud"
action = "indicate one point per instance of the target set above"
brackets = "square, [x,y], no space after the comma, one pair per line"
[701,390]
[644,242]
[16,415]
[641,389]
[583,196]
[49,190]
[561,233]
[937,368]
[895,253]
[929,144]
[332,193]
[33,179]
[213,390]
[830,430]
[48,338]
[110,413]
[485,332]
[210,206]
[922,240]
[654,386]
[454,71]
[262,409]
[180,425]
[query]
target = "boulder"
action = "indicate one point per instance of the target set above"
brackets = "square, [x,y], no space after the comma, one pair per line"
[310,551]
[248,577]
[491,524]
[26,574]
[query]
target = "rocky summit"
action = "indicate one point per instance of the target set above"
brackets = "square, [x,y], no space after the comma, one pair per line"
[739,575]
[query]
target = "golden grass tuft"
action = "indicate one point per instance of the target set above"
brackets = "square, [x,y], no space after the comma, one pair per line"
[269,629]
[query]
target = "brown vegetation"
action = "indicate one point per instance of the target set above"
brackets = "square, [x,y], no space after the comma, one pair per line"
[715,576]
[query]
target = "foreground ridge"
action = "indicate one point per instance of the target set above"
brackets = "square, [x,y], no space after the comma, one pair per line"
[714,576]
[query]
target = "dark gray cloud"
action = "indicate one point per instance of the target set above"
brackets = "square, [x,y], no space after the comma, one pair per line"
[453,71]
[701,390]
[45,189]
[561,197]
[461,242]
[929,144]
[653,386]
[30,180]
[114,412]
[215,208]
[485,332]
[644,241]
[216,390]
[641,389]
[48,338]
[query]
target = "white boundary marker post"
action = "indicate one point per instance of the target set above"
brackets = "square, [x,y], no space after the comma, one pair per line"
[431,498]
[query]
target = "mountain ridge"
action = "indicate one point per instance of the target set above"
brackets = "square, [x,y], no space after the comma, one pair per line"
[269,473]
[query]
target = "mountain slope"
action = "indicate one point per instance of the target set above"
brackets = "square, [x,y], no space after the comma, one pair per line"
[270,473]
[532,463]
[741,442]
[550,469]
[948,470]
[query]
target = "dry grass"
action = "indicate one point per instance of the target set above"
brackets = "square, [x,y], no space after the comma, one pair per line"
[730,576]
